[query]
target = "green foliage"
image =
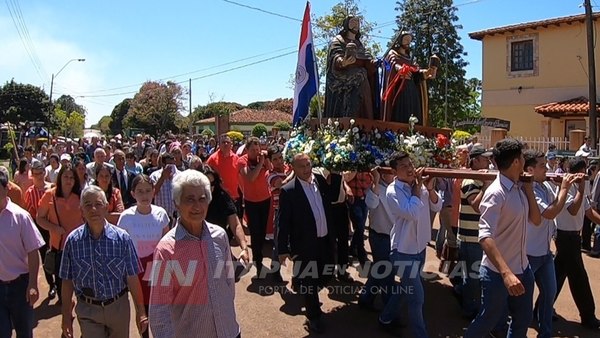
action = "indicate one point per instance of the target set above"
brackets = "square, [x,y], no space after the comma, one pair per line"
[283,105]
[282,125]
[434,27]
[326,27]
[155,108]
[117,115]
[460,135]
[214,109]
[259,130]
[23,102]
[207,132]
[68,104]
[235,136]
[68,124]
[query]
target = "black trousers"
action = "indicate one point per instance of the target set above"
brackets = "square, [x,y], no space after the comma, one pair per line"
[258,215]
[310,280]
[586,234]
[341,224]
[569,264]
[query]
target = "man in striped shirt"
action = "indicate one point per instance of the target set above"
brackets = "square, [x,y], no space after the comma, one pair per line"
[470,251]
[33,195]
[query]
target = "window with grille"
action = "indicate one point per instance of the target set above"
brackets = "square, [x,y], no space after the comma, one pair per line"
[521,55]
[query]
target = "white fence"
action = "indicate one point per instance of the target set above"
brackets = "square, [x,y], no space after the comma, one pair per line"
[537,143]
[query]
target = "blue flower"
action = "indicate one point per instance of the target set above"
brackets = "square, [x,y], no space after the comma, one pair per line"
[332,146]
[353,156]
[390,135]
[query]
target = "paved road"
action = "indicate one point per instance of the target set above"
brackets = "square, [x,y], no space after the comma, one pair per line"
[262,311]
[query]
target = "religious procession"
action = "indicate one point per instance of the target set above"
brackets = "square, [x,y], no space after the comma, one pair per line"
[412,230]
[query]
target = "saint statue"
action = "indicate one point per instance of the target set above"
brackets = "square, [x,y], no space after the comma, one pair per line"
[405,84]
[351,82]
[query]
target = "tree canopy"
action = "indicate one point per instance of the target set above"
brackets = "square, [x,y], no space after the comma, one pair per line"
[156,108]
[68,104]
[68,124]
[103,124]
[214,109]
[117,115]
[23,102]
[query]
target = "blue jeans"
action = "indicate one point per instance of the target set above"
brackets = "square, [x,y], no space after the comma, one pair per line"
[545,278]
[378,280]
[15,311]
[408,268]
[358,216]
[470,255]
[495,299]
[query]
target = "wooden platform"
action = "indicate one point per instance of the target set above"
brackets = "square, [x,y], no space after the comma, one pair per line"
[367,124]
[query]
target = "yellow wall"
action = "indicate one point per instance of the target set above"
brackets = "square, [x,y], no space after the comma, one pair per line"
[561,75]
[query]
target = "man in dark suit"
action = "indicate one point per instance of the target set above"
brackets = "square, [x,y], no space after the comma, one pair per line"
[306,235]
[123,179]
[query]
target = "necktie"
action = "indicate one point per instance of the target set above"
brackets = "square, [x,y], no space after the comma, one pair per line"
[123,183]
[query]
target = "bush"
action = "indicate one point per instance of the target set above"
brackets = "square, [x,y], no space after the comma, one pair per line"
[235,136]
[283,126]
[460,135]
[259,130]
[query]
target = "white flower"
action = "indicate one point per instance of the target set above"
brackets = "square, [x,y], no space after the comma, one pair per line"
[355,130]
[352,121]
[336,123]
[377,162]
[329,121]
[377,136]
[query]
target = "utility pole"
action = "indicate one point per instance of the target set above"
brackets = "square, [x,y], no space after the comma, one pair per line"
[190,114]
[593,125]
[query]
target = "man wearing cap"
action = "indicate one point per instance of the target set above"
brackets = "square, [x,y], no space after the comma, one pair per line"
[552,163]
[470,251]
[51,171]
[65,159]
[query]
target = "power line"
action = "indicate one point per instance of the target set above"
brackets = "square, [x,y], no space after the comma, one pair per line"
[262,10]
[28,37]
[23,40]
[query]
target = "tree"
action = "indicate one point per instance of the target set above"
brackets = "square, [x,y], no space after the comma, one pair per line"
[282,125]
[69,105]
[434,28]
[155,108]
[214,109]
[329,25]
[103,124]
[207,132]
[68,125]
[283,105]
[117,115]
[23,102]
[259,130]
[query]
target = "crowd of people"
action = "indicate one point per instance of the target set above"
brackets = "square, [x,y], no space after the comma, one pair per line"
[156,219]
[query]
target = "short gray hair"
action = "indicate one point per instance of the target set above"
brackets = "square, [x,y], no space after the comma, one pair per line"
[190,178]
[93,190]
[4,170]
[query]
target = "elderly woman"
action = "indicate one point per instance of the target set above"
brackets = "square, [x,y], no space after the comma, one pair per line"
[179,306]
[113,195]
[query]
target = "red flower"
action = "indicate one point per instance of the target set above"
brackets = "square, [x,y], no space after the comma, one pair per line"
[442,141]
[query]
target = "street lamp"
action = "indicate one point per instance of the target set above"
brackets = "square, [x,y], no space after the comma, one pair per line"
[53,76]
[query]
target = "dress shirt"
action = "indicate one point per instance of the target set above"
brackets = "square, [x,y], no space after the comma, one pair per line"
[102,264]
[380,218]
[412,222]
[200,304]
[504,217]
[164,198]
[311,190]
[19,237]
[567,222]
[539,237]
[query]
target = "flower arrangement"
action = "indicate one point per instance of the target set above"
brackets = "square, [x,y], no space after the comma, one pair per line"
[355,149]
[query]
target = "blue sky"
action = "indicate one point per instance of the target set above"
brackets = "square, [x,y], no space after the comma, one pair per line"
[128,42]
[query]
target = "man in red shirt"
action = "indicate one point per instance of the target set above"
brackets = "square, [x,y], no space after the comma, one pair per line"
[224,161]
[252,168]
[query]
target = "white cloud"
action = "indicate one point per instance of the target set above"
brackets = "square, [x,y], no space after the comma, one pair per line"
[53,52]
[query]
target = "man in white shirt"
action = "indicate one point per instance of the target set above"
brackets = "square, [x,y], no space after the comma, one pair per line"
[410,198]
[568,262]
[506,279]
[539,237]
